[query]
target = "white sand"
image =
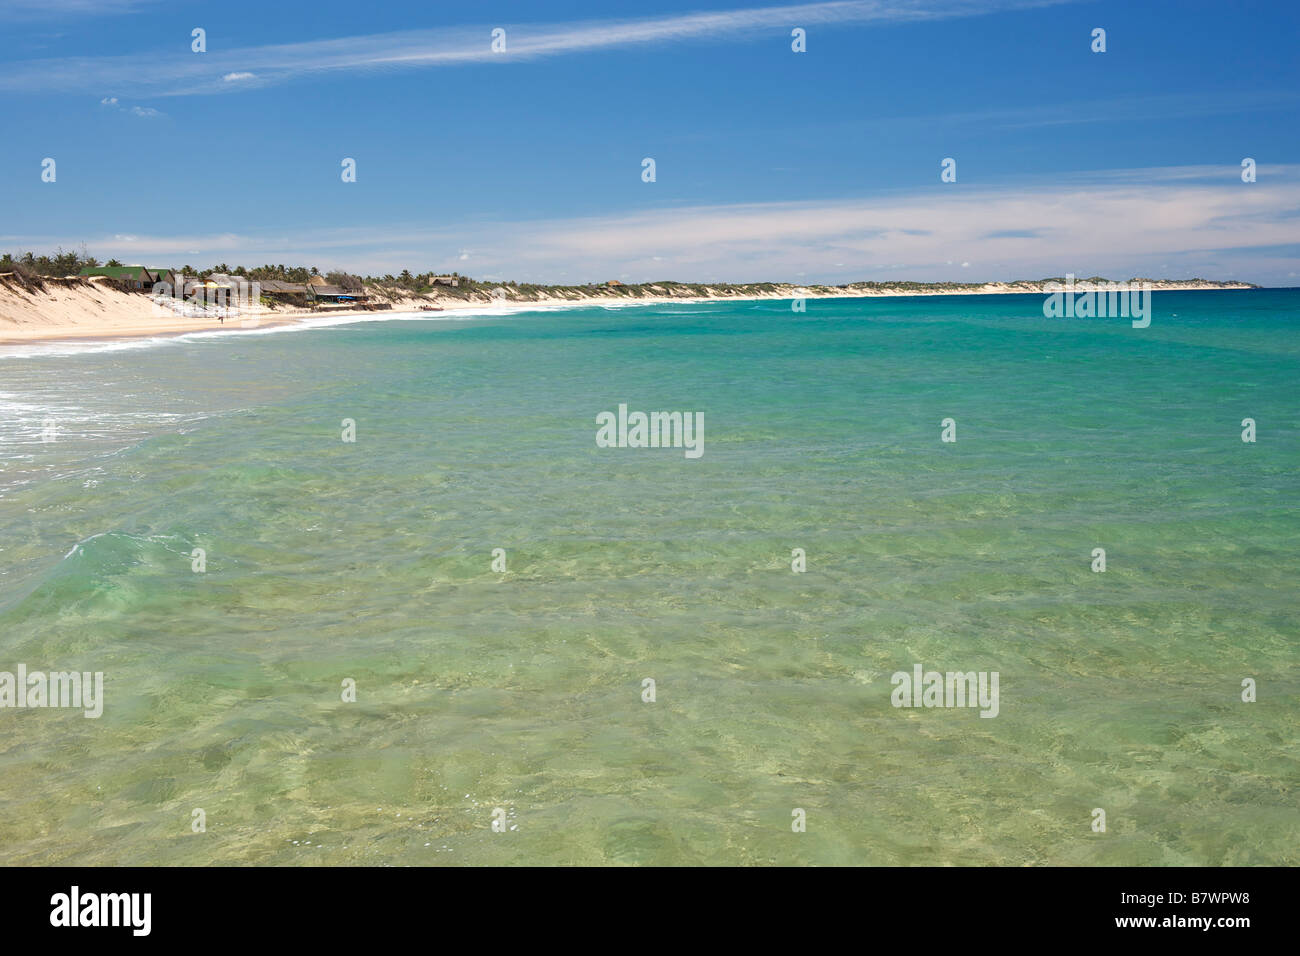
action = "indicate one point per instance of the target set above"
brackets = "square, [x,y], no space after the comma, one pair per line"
[78,308]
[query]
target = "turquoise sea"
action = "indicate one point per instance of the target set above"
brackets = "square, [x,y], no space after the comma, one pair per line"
[477,690]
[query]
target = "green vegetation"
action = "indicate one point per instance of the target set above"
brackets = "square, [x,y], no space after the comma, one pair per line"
[32,268]
[57,266]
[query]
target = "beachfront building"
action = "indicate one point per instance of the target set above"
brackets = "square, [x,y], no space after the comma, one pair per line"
[283,291]
[444,280]
[332,293]
[321,292]
[223,281]
[127,277]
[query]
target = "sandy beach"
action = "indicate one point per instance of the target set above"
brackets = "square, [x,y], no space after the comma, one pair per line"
[93,309]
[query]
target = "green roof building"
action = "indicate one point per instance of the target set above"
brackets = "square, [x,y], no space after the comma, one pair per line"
[132,277]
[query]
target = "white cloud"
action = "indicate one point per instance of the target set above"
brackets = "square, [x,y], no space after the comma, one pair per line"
[32,9]
[146,112]
[1161,225]
[235,77]
[186,73]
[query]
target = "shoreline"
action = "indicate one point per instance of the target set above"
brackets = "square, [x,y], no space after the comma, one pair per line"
[113,326]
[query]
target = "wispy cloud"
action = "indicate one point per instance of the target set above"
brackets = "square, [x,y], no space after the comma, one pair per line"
[179,74]
[51,9]
[1156,222]
[145,112]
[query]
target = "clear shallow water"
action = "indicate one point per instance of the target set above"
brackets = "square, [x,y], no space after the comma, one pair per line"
[476,690]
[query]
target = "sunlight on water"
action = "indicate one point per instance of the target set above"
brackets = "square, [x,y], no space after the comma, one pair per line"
[477,690]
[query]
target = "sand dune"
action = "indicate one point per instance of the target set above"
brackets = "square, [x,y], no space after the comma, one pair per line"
[33,310]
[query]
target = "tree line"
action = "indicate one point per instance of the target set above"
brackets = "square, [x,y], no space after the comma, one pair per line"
[70,263]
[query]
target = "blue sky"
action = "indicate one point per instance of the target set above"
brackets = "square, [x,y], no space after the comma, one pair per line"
[770,164]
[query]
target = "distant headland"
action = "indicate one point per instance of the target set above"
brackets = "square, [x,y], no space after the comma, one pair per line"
[73,296]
